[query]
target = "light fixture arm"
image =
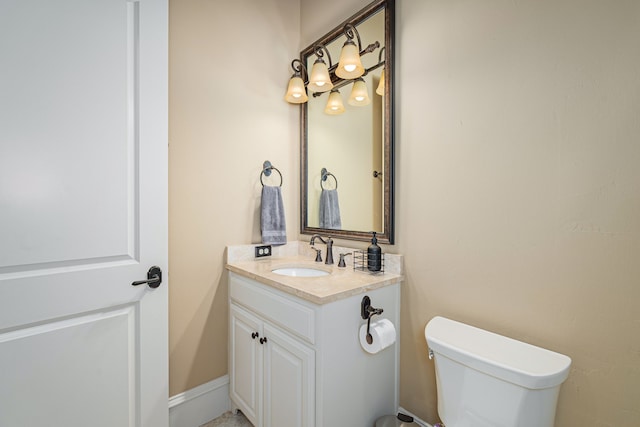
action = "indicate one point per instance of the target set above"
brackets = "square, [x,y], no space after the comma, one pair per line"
[319,50]
[373,46]
[297,71]
[350,30]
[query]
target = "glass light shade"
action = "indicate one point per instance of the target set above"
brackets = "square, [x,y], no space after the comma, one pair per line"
[349,66]
[334,104]
[359,94]
[380,88]
[296,93]
[320,81]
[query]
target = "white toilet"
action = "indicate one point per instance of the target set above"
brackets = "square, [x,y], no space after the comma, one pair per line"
[488,380]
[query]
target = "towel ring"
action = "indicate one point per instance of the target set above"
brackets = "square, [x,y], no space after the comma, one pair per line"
[324,175]
[267,167]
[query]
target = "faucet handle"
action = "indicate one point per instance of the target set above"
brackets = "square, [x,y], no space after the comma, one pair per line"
[341,263]
[318,254]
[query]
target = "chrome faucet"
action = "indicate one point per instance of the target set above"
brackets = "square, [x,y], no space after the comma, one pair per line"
[329,243]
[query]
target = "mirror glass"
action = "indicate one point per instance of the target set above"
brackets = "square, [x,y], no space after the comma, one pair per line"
[351,152]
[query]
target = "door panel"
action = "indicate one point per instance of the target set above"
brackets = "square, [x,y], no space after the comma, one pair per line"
[68,158]
[246,363]
[96,346]
[83,212]
[289,392]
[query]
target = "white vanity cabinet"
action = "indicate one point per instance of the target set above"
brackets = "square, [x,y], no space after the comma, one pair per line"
[293,363]
[272,372]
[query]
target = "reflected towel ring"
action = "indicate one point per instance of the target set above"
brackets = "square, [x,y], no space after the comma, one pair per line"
[324,175]
[267,167]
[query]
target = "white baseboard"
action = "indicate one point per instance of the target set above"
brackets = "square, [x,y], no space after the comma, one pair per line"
[210,400]
[415,419]
[200,404]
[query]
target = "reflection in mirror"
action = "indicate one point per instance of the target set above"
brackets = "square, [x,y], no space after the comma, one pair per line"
[347,135]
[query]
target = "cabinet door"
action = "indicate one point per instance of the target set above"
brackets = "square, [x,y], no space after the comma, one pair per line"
[246,363]
[289,375]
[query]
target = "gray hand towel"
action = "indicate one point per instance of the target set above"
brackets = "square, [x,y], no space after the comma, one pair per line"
[330,210]
[272,224]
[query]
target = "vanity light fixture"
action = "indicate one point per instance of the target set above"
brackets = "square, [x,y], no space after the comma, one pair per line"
[334,103]
[325,78]
[296,91]
[359,94]
[319,79]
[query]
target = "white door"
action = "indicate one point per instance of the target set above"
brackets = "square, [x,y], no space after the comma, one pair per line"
[83,212]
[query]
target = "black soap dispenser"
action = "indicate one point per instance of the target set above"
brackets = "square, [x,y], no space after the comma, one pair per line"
[374,255]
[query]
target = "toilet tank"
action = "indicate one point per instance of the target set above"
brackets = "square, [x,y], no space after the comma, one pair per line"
[488,380]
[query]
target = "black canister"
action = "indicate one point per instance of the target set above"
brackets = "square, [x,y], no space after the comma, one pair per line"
[374,255]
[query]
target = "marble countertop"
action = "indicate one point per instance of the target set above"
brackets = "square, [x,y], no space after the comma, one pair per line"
[342,282]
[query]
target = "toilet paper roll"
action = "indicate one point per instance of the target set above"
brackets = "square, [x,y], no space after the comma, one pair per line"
[383,333]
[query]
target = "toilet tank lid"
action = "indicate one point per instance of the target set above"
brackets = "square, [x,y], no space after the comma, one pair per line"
[508,359]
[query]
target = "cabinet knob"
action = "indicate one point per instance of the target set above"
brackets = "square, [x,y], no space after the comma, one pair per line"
[255,335]
[263,340]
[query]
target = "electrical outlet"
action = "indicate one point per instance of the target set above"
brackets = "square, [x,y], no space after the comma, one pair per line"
[263,251]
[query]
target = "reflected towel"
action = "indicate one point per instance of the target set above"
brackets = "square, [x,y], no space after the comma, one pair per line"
[330,210]
[272,223]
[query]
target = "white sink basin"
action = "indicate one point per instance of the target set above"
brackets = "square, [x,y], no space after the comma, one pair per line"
[300,272]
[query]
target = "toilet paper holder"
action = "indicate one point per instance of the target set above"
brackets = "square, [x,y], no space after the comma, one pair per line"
[367,311]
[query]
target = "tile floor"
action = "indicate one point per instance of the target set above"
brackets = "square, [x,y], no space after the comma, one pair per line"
[228,419]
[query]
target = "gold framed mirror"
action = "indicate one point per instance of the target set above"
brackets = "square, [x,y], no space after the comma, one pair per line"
[348,157]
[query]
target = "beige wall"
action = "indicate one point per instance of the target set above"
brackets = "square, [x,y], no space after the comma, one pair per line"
[229,66]
[517,193]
